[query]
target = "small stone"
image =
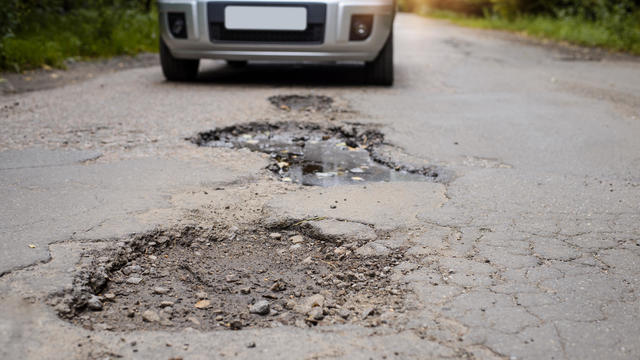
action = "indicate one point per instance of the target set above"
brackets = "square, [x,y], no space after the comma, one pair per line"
[235,325]
[231,278]
[165,304]
[340,250]
[150,316]
[332,206]
[166,322]
[201,295]
[295,247]
[309,303]
[63,308]
[275,235]
[261,307]
[194,320]
[316,313]
[203,304]
[290,304]
[134,280]
[131,313]
[160,290]
[109,296]
[278,286]
[307,260]
[368,312]
[153,257]
[94,303]
[219,318]
[344,313]
[245,290]
[297,239]
[251,345]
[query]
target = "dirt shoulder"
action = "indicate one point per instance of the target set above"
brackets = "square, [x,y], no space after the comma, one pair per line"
[77,71]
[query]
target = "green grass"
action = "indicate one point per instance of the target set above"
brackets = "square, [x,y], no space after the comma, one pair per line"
[50,40]
[616,34]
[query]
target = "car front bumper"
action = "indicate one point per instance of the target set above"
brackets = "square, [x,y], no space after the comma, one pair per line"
[335,45]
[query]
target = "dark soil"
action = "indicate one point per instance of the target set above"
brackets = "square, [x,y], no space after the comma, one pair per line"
[209,278]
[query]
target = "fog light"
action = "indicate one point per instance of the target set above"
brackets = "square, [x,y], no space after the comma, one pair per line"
[177,25]
[361,26]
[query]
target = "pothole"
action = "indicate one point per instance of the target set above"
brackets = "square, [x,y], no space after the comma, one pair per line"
[302,102]
[230,279]
[311,154]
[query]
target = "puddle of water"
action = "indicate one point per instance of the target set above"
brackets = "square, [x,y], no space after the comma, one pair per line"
[313,156]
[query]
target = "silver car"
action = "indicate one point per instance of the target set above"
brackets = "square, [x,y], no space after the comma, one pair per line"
[294,30]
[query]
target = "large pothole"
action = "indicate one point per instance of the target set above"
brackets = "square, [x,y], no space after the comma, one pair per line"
[220,278]
[312,154]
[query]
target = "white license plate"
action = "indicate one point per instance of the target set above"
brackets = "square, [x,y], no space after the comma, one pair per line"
[265,18]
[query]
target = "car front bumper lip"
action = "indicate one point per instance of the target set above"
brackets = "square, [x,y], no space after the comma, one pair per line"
[273,55]
[335,45]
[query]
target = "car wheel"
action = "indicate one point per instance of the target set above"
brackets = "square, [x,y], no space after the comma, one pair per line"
[237,63]
[177,69]
[380,70]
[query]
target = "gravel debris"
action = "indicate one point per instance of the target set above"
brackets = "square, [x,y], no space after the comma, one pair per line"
[94,303]
[134,280]
[261,307]
[160,290]
[150,316]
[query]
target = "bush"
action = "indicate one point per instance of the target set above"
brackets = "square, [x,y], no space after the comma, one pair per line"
[470,7]
[611,24]
[78,33]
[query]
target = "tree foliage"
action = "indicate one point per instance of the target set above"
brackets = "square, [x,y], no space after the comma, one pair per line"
[592,10]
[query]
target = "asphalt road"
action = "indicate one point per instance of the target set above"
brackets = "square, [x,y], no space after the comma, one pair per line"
[531,250]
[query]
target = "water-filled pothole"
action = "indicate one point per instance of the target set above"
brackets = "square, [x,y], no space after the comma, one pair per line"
[221,278]
[311,154]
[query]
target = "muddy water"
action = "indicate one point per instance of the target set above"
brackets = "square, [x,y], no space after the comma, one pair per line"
[311,156]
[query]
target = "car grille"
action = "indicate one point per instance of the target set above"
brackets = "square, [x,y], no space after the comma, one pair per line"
[314,34]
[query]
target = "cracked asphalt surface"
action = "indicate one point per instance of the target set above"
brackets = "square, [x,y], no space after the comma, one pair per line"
[530,251]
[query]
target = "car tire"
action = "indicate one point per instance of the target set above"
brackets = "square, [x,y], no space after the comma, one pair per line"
[380,70]
[237,63]
[177,69]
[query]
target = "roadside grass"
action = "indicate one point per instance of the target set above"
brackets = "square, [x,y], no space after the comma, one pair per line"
[621,35]
[52,39]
